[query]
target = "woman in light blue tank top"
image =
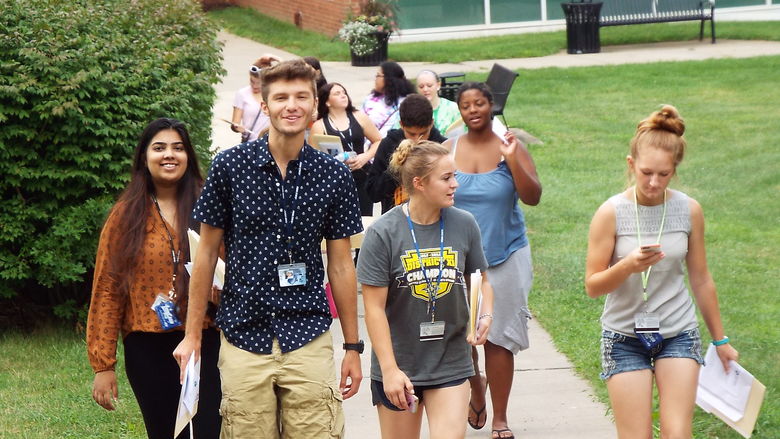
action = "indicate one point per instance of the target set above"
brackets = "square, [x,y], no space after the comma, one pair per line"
[640,243]
[493,174]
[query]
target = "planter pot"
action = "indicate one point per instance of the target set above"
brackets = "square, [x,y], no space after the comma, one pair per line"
[376,57]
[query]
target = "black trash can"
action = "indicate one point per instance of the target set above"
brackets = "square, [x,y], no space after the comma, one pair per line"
[582,27]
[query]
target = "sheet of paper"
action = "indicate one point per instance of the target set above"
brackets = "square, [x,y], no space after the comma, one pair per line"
[726,392]
[190,393]
[219,270]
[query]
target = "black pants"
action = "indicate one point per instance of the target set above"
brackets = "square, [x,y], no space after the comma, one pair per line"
[154,376]
[366,205]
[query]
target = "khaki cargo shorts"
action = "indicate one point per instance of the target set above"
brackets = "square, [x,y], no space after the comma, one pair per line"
[287,395]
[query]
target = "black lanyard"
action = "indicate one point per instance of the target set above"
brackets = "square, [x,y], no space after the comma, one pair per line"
[174,253]
[288,225]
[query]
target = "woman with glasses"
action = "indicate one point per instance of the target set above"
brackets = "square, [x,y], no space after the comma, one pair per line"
[390,89]
[247,118]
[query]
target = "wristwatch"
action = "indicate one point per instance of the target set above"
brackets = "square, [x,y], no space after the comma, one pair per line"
[359,346]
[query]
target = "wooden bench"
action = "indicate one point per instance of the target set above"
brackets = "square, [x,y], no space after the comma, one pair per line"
[624,12]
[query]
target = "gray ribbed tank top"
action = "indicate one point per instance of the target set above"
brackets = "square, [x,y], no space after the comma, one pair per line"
[667,294]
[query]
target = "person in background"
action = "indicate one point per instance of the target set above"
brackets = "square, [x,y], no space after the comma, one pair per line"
[140,262]
[247,117]
[274,201]
[640,245]
[424,236]
[494,173]
[315,64]
[445,112]
[383,103]
[416,122]
[338,117]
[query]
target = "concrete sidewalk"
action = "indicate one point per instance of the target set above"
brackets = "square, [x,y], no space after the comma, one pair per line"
[239,53]
[548,400]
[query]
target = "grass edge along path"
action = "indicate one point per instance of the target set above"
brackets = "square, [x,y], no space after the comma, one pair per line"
[249,23]
[585,116]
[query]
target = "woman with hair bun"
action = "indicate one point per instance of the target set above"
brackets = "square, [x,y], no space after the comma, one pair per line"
[641,242]
[413,266]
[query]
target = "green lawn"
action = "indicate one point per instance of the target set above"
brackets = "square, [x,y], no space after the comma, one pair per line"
[251,24]
[585,116]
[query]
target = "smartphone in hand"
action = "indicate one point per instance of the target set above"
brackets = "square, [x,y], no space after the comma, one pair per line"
[412,401]
[650,248]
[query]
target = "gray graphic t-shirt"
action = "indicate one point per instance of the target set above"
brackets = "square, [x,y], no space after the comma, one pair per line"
[388,258]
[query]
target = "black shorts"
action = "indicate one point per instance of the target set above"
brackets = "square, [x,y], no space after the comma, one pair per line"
[378,392]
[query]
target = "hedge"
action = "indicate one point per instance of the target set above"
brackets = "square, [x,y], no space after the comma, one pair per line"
[79,80]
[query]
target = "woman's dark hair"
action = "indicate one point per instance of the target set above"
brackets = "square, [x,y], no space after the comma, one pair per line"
[324,93]
[135,205]
[472,85]
[396,84]
[315,63]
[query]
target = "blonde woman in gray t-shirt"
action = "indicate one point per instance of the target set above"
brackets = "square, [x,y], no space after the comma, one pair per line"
[413,265]
[640,241]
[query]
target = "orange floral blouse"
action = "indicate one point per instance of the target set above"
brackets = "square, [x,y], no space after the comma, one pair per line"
[154,270]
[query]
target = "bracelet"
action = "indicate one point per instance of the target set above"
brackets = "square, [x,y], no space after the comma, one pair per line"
[721,342]
[486,315]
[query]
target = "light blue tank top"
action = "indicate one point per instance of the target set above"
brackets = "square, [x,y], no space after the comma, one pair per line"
[492,199]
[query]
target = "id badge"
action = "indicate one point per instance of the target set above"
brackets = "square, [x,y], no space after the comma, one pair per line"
[291,275]
[647,327]
[430,331]
[166,312]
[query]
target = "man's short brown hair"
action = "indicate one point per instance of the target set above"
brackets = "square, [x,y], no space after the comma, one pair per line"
[288,71]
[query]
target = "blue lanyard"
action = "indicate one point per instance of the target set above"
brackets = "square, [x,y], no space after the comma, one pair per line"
[431,291]
[288,225]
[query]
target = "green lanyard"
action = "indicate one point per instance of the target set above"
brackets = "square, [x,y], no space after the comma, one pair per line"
[646,274]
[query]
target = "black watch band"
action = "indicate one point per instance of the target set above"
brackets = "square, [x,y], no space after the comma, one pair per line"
[359,346]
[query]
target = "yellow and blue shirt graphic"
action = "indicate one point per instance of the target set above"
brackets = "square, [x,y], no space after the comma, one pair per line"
[414,279]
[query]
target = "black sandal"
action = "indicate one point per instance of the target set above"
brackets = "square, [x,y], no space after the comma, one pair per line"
[477,426]
[497,434]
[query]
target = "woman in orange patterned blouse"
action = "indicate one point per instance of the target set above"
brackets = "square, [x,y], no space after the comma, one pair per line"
[140,286]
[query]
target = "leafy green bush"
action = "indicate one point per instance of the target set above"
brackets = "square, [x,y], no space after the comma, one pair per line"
[78,82]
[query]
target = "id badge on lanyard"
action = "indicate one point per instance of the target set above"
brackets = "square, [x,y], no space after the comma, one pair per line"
[163,305]
[166,312]
[433,330]
[292,274]
[647,325]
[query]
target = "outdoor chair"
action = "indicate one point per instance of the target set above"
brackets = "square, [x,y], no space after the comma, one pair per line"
[500,81]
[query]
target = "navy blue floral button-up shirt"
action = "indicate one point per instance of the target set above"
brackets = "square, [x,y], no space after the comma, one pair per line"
[243,196]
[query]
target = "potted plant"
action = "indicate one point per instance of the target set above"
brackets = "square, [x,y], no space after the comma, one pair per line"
[367,32]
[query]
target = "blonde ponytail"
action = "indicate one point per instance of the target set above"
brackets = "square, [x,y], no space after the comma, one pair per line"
[415,159]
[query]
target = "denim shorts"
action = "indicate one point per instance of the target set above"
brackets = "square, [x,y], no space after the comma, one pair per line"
[621,353]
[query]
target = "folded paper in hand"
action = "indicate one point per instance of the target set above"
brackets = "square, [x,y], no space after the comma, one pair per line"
[188,400]
[734,396]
